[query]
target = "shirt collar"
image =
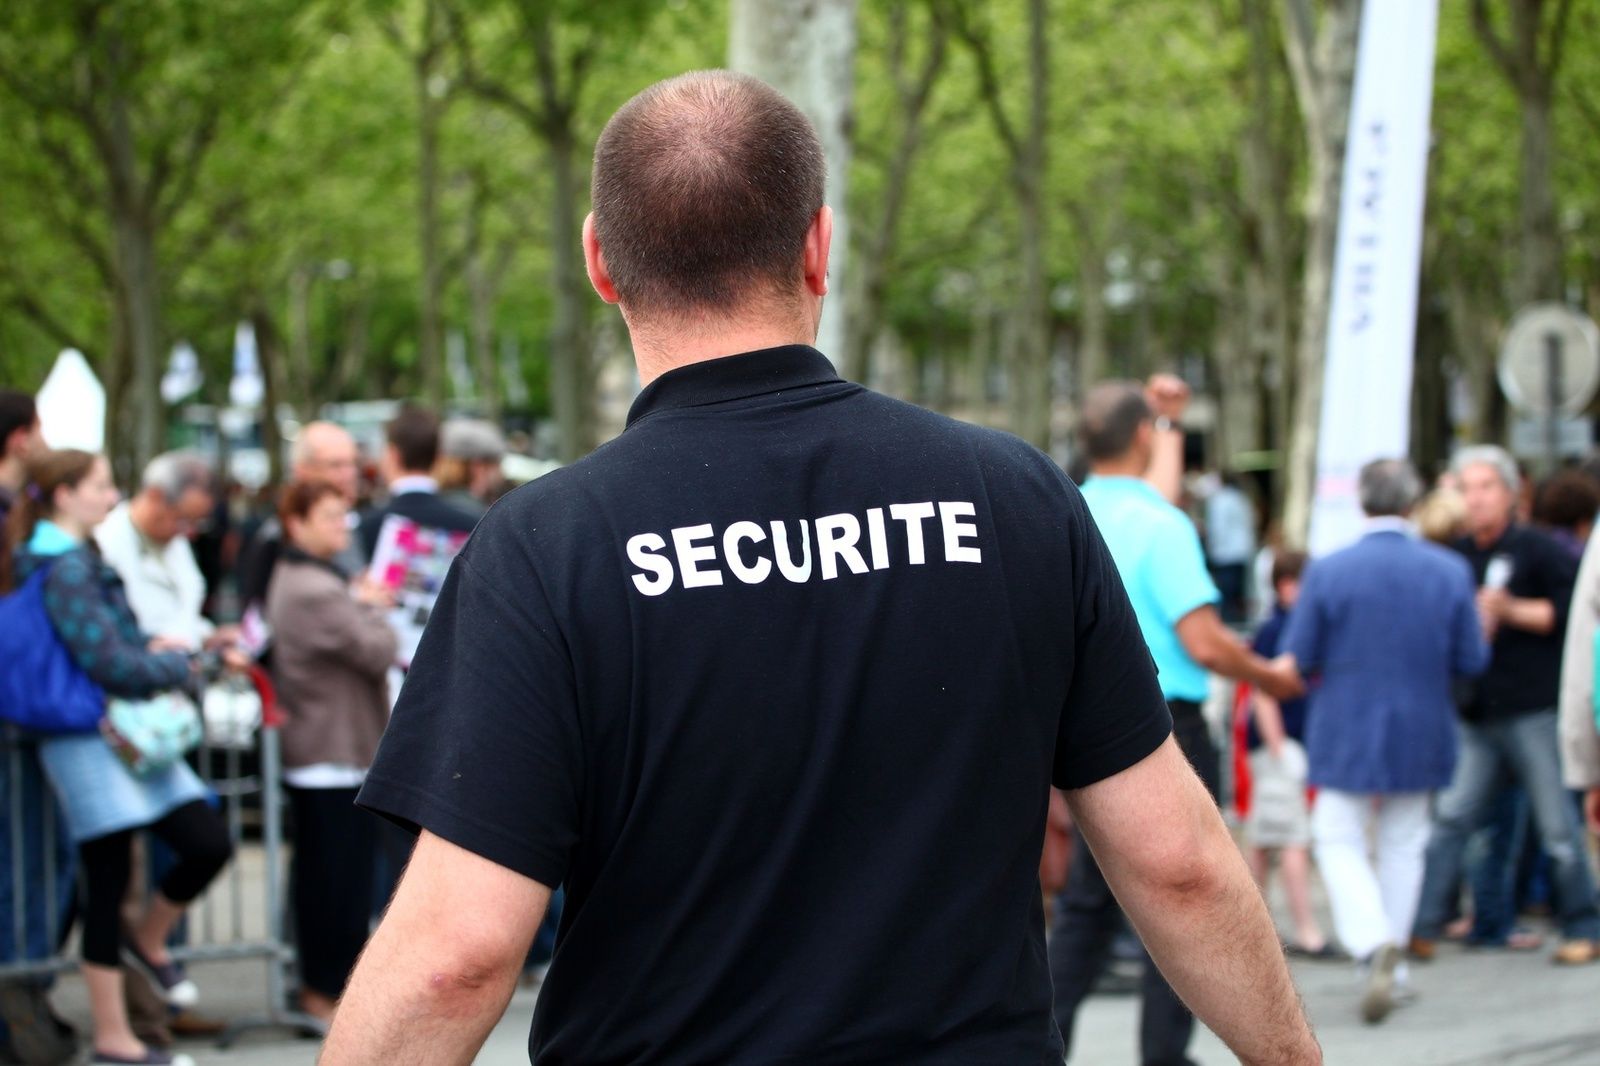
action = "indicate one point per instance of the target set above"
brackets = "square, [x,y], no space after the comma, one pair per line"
[734,377]
[413,483]
[1127,483]
[50,539]
[1390,524]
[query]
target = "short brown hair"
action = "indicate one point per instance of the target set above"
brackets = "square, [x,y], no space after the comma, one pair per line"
[1112,414]
[414,432]
[298,497]
[1566,500]
[704,188]
[1288,566]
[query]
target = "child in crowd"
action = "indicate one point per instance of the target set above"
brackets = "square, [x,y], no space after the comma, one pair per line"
[1279,817]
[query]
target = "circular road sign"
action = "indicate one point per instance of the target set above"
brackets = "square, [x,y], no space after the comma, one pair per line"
[1550,361]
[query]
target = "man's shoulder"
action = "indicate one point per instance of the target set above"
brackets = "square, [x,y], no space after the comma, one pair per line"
[1423,559]
[429,509]
[1135,502]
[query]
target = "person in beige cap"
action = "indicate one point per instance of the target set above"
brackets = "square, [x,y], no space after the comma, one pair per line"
[468,471]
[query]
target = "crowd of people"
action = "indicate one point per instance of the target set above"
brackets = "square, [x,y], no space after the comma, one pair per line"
[1412,681]
[121,585]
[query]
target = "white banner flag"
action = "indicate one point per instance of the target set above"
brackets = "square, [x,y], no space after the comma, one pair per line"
[1366,391]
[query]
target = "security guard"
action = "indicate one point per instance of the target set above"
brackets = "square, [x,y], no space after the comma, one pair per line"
[776,685]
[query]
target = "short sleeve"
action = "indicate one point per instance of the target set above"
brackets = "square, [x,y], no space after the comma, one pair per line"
[1114,715]
[1176,578]
[484,748]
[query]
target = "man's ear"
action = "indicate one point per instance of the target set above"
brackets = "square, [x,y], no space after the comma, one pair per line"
[819,238]
[595,261]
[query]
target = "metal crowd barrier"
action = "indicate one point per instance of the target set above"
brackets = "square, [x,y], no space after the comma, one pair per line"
[217,924]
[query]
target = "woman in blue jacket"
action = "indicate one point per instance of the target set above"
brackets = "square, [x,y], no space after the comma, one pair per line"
[68,494]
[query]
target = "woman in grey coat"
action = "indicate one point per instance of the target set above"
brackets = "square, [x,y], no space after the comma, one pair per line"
[331,652]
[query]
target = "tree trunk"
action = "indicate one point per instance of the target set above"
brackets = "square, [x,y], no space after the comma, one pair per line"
[1264,168]
[134,255]
[482,294]
[430,336]
[806,50]
[872,260]
[1540,275]
[269,354]
[1094,340]
[1324,77]
[298,395]
[1031,393]
[571,362]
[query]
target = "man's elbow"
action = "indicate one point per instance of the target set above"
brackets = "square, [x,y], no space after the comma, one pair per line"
[1186,873]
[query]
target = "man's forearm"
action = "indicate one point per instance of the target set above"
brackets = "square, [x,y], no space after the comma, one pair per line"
[1530,616]
[1209,932]
[400,1010]
[439,971]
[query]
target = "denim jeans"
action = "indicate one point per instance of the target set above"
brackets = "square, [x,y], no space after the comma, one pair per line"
[1494,876]
[1523,750]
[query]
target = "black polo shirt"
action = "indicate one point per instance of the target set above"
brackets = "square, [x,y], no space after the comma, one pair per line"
[776,684]
[1524,668]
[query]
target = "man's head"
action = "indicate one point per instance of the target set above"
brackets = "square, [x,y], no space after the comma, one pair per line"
[470,451]
[708,209]
[1389,488]
[177,493]
[412,444]
[326,452]
[20,436]
[1117,424]
[1489,487]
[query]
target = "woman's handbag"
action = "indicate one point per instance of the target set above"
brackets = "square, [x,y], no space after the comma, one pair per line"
[150,735]
[42,688]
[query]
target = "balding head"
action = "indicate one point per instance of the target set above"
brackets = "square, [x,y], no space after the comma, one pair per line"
[1112,415]
[705,187]
[326,452]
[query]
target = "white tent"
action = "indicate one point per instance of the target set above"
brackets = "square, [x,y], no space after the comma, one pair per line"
[72,405]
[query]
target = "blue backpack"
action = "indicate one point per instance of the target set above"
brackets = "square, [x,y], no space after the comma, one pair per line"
[41,687]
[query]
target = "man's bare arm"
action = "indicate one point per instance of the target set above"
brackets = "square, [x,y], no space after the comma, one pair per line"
[438,973]
[1211,644]
[1160,841]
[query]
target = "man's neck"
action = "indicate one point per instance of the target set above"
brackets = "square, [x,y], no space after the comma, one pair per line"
[656,351]
[1127,466]
[1485,538]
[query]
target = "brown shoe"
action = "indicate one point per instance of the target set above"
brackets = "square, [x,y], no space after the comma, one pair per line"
[1576,953]
[1422,949]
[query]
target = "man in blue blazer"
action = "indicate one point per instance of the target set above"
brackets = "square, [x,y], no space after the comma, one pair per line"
[1384,627]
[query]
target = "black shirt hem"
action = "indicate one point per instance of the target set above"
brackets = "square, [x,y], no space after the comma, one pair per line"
[1128,750]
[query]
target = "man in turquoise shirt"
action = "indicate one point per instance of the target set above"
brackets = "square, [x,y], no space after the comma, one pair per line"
[1158,555]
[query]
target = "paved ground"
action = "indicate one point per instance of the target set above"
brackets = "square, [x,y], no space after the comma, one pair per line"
[1476,1009]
